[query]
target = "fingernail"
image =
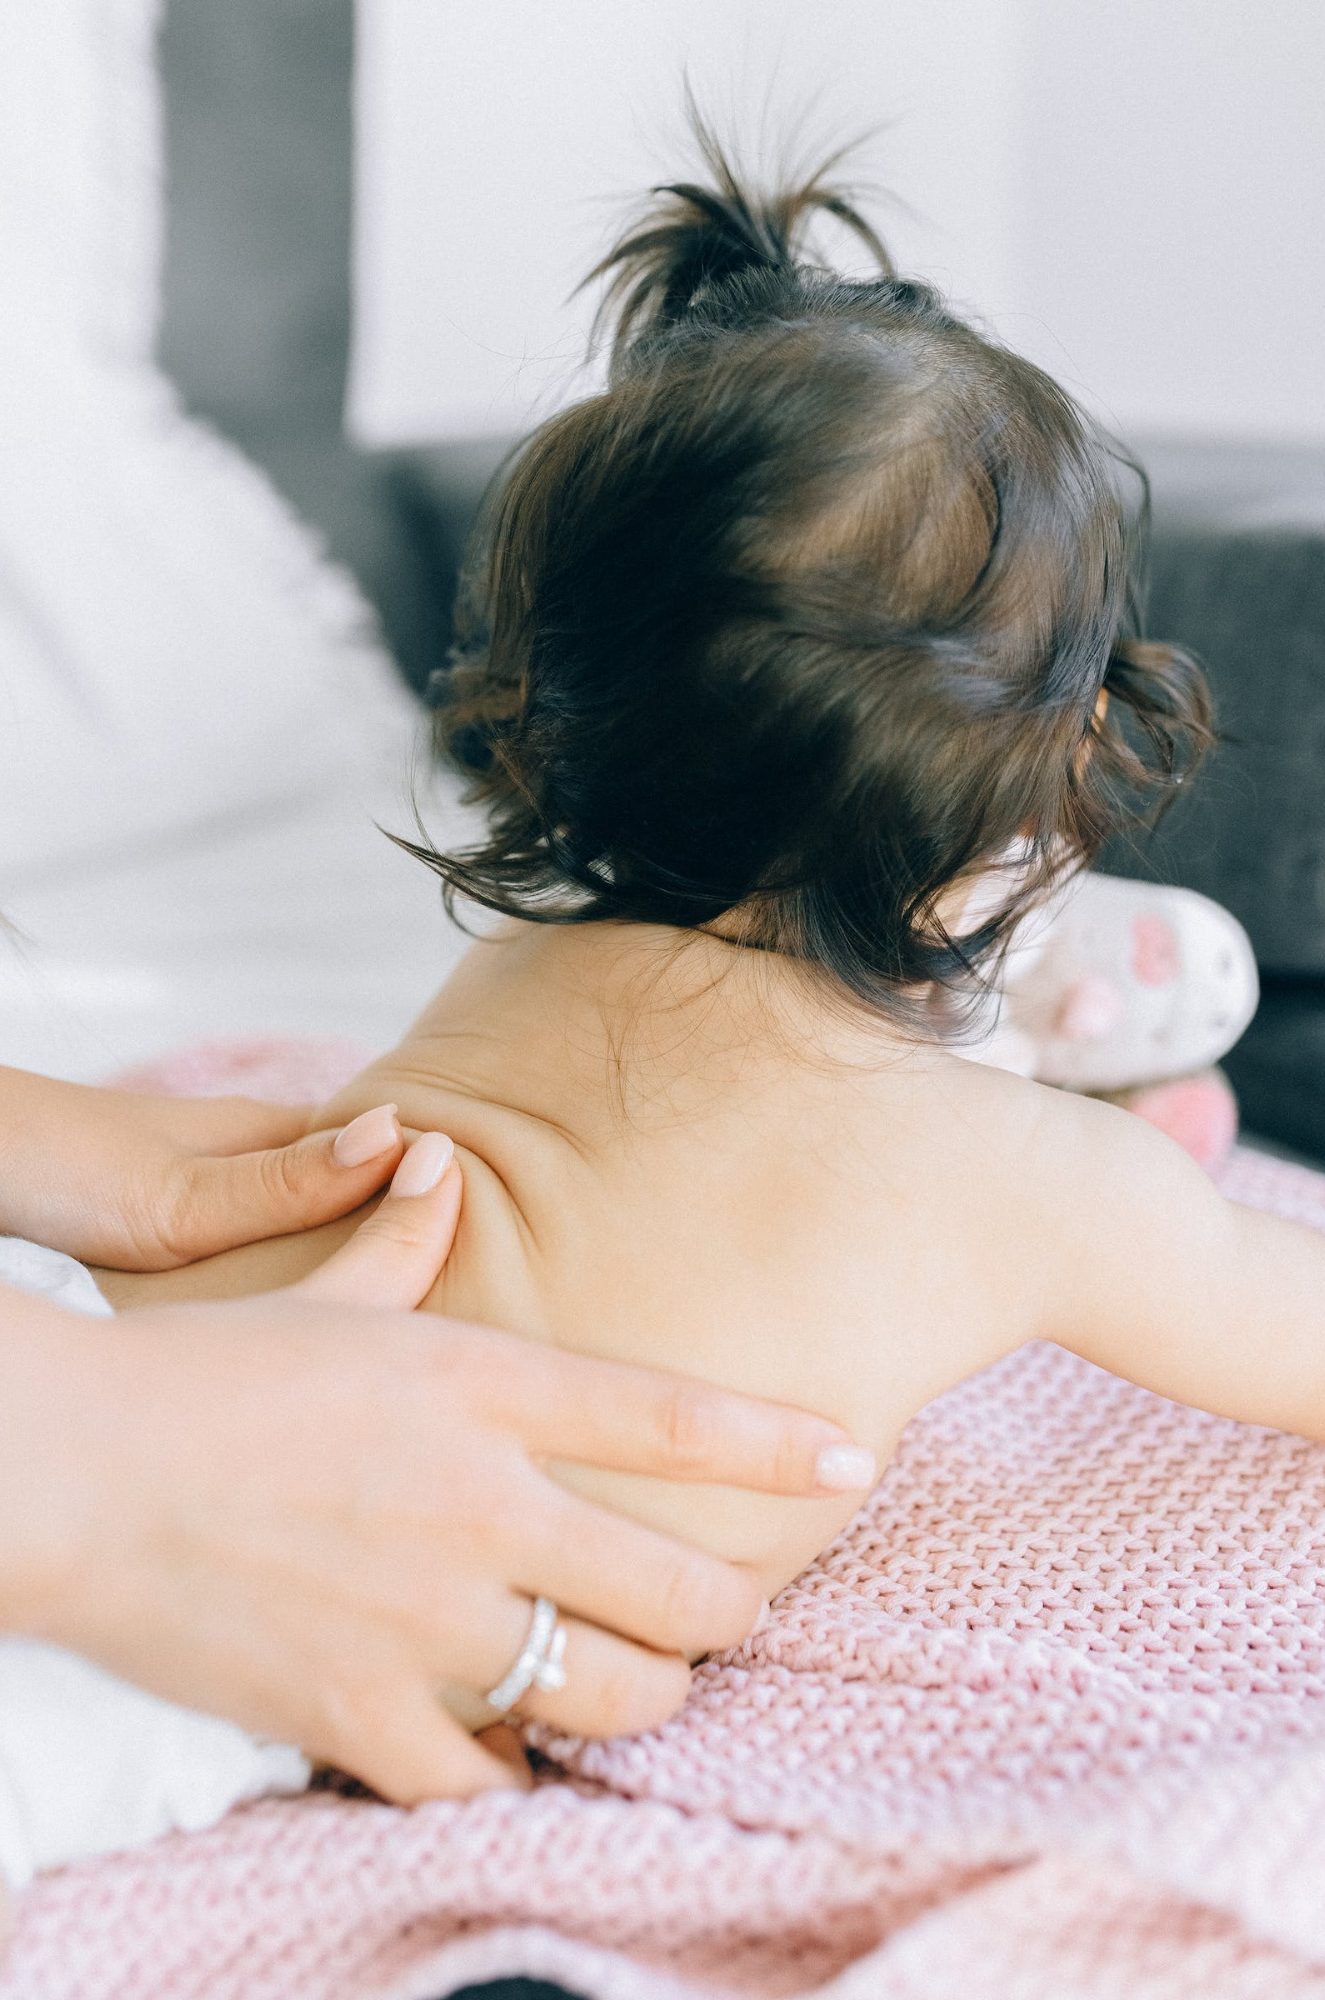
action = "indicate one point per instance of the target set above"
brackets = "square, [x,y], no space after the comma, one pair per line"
[423,1165]
[367,1137]
[846,1468]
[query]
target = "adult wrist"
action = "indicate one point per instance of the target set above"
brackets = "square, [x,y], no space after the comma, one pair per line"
[38,1115]
[50,1418]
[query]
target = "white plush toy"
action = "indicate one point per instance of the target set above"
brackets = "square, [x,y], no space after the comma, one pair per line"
[1130,990]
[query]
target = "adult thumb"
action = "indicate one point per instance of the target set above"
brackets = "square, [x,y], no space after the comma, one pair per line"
[393,1259]
[220,1200]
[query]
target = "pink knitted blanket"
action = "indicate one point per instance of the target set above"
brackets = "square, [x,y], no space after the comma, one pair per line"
[1046,1723]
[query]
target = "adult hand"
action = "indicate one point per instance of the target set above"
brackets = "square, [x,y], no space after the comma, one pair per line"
[146,1183]
[314,1515]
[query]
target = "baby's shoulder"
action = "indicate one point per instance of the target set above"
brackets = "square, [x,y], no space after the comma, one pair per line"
[1035,1123]
[962,1122]
[1070,1144]
[1015,1168]
[1051,1172]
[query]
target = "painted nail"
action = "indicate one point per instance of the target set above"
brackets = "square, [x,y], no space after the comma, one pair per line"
[367,1137]
[423,1165]
[846,1468]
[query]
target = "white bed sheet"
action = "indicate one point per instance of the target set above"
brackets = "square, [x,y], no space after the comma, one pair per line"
[301,921]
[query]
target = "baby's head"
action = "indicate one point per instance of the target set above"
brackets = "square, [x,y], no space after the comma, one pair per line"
[804,621]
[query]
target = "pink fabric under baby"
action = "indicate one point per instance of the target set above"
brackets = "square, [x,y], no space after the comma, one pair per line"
[1046,1723]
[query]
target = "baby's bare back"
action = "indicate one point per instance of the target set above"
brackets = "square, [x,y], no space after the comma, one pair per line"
[690,1161]
[659,1170]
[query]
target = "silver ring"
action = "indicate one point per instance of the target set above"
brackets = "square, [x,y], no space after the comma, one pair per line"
[539,1662]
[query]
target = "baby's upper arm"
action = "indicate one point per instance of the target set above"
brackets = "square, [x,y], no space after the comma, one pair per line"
[1153,1274]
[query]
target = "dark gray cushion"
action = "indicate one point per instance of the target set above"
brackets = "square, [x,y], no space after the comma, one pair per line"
[1251,604]
[259,159]
[1238,575]
[256,299]
[1278,1068]
[437,493]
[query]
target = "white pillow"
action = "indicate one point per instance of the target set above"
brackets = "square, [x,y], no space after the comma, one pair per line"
[174,649]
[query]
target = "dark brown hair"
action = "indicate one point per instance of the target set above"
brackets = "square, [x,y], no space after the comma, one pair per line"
[804,619]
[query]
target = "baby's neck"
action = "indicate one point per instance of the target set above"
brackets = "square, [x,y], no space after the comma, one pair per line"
[584,1024]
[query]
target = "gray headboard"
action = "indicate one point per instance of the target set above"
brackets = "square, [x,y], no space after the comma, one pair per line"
[256,309]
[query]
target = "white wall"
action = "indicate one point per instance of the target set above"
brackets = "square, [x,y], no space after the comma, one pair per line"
[501,142]
[1133,191]
[1168,209]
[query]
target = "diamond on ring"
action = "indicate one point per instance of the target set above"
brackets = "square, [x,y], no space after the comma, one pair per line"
[539,1663]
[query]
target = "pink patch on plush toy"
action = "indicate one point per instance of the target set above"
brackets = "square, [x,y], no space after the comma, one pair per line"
[1154,951]
[1091,1007]
[1199,1112]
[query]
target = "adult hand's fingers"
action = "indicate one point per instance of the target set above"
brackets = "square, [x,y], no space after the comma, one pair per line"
[217,1202]
[574,1406]
[612,1688]
[628,1578]
[392,1260]
[409,1749]
[504,1742]
[229,1124]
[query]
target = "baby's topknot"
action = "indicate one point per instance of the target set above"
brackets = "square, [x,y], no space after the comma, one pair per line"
[678,257]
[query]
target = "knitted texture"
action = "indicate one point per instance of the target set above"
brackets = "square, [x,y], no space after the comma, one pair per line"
[1045,1723]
